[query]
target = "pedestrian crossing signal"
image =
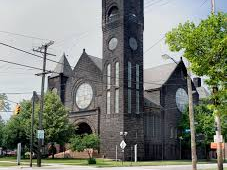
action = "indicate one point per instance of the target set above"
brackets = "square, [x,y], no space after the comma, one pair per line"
[17,110]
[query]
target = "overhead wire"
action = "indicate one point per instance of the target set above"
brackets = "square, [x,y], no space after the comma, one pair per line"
[23,35]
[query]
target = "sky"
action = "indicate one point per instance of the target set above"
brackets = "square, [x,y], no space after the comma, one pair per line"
[74,25]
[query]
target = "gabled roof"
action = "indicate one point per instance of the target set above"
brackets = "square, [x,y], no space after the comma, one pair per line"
[150,101]
[97,61]
[157,76]
[203,93]
[63,67]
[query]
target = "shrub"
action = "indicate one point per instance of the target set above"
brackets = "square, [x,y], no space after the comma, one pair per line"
[91,161]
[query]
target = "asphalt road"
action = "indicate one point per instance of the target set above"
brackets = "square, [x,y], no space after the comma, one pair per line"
[170,167]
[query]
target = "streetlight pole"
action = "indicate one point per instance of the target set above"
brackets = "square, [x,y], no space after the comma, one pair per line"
[191,115]
[123,134]
[180,138]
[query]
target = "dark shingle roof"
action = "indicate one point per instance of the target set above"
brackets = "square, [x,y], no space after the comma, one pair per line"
[203,93]
[157,76]
[97,61]
[62,67]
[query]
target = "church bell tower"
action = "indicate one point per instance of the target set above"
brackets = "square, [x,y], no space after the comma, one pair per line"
[122,109]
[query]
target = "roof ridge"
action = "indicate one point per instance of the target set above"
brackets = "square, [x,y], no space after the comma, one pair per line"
[162,65]
[63,66]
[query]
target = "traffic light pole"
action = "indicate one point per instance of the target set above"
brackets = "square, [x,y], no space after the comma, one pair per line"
[32,126]
[39,152]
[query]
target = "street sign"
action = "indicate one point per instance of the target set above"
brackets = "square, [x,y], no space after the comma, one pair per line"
[187,130]
[40,134]
[18,153]
[215,146]
[200,137]
[123,144]
[216,139]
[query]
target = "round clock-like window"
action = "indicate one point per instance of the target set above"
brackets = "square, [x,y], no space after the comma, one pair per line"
[181,99]
[113,43]
[84,95]
[133,43]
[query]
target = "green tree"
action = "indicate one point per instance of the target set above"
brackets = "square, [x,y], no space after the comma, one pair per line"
[13,133]
[55,120]
[85,142]
[4,104]
[1,132]
[205,47]
[55,123]
[204,119]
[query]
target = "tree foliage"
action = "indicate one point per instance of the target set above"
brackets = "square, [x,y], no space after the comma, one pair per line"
[85,142]
[205,125]
[4,104]
[205,46]
[55,123]
[1,131]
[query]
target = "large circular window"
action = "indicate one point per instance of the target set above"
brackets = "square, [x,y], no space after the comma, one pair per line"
[84,95]
[181,99]
[113,43]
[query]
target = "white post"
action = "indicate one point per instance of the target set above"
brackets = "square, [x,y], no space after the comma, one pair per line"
[18,153]
[116,153]
[135,149]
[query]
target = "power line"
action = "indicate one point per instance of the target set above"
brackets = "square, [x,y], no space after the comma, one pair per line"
[11,101]
[23,35]
[22,65]
[90,80]
[203,3]
[15,93]
[154,45]
[18,49]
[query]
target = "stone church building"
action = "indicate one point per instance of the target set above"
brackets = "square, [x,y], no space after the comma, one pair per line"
[113,93]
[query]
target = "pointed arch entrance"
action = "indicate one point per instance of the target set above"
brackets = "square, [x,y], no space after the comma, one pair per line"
[84,127]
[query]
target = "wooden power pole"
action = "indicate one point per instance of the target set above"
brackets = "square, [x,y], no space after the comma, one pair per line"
[192,122]
[40,128]
[217,116]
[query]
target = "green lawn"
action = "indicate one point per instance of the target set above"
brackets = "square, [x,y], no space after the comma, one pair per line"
[6,164]
[100,162]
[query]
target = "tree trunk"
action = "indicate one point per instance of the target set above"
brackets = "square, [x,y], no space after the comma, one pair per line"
[52,154]
[89,154]
[192,124]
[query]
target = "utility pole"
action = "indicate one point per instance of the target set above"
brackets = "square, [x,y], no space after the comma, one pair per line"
[217,115]
[191,114]
[192,121]
[39,153]
[32,126]
[212,6]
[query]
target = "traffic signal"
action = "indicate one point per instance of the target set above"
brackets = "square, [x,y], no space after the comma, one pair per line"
[17,110]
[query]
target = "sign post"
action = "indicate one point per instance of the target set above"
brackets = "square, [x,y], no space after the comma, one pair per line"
[123,145]
[116,153]
[40,134]
[18,153]
[135,152]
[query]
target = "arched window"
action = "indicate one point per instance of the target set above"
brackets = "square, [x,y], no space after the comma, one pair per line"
[129,74]
[108,102]
[117,101]
[108,76]
[108,88]
[117,87]
[113,13]
[129,87]
[137,88]
[117,74]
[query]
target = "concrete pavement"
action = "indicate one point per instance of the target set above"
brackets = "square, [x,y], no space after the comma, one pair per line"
[69,167]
